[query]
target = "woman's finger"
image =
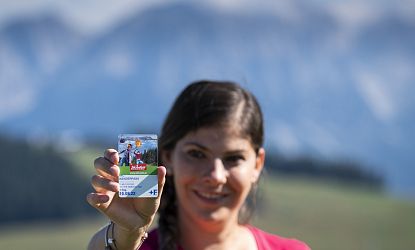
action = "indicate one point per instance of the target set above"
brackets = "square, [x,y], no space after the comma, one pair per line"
[112,156]
[107,169]
[102,184]
[96,200]
[161,172]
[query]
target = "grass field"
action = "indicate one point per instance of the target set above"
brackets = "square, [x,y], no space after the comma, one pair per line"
[336,217]
[327,216]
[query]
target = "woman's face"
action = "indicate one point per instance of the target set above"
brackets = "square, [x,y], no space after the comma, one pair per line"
[213,170]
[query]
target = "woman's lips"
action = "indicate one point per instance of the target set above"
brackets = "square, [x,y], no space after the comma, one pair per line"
[210,196]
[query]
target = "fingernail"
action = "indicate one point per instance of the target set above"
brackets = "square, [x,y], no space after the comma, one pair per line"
[114,186]
[103,199]
[114,171]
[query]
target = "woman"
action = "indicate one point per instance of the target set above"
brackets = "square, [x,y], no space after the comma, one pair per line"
[211,146]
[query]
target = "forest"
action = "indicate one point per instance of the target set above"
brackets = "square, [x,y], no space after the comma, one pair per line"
[42,184]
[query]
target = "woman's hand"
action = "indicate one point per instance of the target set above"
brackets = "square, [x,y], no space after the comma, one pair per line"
[131,215]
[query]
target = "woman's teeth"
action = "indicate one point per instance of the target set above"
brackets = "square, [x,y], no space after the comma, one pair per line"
[210,195]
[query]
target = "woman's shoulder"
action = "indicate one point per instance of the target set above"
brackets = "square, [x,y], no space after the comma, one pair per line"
[266,241]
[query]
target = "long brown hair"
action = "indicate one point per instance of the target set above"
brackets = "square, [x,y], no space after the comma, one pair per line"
[206,104]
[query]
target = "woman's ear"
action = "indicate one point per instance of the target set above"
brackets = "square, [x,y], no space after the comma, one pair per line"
[166,159]
[259,164]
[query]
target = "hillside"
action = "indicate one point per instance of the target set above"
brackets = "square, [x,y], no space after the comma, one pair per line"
[326,216]
[331,216]
[324,212]
[41,184]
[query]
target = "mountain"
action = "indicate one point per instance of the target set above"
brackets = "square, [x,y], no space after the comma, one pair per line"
[326,87]
[31,50]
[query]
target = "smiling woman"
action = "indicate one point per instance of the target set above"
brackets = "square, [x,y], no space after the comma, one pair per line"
[214,169]
[211,145]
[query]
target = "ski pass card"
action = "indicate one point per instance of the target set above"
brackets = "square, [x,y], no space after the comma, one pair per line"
[138,165]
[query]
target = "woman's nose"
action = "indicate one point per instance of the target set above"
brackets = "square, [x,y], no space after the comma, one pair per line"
[216,173]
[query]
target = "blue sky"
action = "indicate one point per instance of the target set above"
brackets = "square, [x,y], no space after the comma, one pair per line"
[92,15]
[97,15]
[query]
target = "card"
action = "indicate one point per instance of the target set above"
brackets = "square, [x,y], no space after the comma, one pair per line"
[138,165]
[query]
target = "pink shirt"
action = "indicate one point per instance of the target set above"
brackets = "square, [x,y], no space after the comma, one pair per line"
[267,241]
[264,240]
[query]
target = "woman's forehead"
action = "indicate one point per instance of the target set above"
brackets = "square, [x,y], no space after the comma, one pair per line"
[228,136]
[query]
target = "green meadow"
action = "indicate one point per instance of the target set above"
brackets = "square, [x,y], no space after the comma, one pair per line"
[326,215]
[330,216]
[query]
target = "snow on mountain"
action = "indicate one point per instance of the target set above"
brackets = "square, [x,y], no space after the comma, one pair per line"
[31,50]
[329,84]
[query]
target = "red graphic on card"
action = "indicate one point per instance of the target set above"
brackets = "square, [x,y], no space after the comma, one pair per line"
[138,167]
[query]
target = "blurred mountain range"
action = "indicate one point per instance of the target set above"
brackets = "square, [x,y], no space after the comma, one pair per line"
[328,87]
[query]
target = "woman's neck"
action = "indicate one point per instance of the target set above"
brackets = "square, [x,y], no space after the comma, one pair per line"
[214,235]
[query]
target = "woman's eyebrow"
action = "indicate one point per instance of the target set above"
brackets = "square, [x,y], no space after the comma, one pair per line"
[191,143]
[237,151]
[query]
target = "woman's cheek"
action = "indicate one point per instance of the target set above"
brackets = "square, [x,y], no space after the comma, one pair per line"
[241,175]
[187,166]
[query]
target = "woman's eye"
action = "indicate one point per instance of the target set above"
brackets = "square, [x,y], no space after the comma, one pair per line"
[234,159]
[196,154]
